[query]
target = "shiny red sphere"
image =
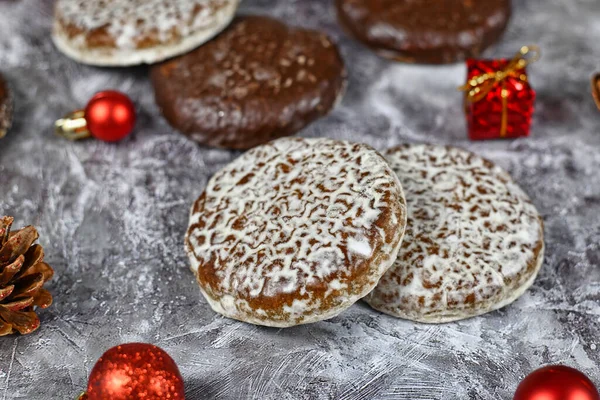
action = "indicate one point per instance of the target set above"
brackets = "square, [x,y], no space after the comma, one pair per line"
[135,371]
[556,382]
[110,116]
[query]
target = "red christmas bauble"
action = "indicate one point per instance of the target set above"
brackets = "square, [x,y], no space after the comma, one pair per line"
[556,382]
[110,116]
[135,371]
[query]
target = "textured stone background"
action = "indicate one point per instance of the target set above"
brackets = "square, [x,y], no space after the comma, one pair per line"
[112,219]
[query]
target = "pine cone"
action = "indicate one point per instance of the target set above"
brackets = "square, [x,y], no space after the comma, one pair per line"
[22,275]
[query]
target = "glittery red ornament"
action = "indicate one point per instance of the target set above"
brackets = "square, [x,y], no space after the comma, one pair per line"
[499,100]
[556,382]
[108,116]
[135,371]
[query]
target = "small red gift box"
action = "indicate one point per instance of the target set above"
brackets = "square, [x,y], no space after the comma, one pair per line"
[499,100]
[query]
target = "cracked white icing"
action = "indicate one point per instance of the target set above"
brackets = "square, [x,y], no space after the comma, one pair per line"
[474,241]
[296,231]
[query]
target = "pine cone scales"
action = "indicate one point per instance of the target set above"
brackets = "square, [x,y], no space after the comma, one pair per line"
[22,275]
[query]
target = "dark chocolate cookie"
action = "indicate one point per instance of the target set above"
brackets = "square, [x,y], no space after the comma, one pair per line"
[257,81]
[5,107]
[426,31]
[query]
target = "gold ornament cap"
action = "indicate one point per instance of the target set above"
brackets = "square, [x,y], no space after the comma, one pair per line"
[72,126]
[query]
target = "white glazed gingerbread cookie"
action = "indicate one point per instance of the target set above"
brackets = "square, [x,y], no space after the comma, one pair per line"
[474,241]
[295,231]
[130,32]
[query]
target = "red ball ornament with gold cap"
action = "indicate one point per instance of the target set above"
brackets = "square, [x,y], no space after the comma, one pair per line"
[556,382]
[135,371]
[109,116]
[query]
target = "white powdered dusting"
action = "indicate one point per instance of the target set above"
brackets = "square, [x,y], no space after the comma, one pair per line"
[359,247]
[290,220]
[474,240]
[135,31]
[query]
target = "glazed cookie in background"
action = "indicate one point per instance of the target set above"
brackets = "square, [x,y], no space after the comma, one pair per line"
[474,241]
[425,31]
[295,231]
[257,81]
[6,107]
[130,32]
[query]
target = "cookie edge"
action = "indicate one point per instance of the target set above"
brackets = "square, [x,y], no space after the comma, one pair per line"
[443,318]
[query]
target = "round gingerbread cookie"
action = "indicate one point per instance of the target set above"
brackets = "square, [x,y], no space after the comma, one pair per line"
[295,231]
[257,81]
[130,32]
[6,107]
[426,31]
[474,241]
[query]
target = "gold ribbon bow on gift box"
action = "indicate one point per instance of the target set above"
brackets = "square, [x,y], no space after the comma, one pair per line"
[479,86]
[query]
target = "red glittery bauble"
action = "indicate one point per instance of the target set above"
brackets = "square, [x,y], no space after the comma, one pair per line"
[110,116]
[135,371]
[556,382]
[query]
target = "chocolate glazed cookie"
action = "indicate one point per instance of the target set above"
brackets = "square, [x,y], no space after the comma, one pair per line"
[257,81]
[5,107]
[425,31]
